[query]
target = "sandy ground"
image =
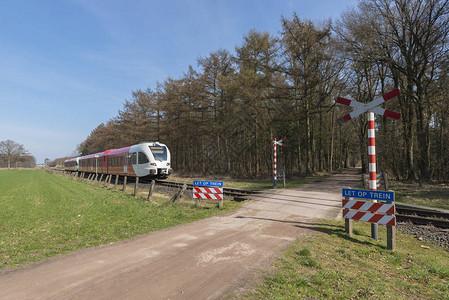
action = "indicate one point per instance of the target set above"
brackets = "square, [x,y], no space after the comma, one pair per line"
[209,259]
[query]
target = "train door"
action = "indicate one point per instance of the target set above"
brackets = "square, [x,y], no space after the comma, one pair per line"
[125,163]
[104,165]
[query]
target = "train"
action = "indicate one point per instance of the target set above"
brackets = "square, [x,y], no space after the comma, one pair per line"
[145,160]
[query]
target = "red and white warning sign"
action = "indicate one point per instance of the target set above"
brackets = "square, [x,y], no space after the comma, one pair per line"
[368,211]
[382,208]
[369,217]
[211,193]
[372,106]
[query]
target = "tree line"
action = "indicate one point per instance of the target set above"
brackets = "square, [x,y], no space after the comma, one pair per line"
[15,155]
[221,115]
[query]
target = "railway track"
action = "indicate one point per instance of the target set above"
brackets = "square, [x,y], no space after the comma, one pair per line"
[422,216]
[236,193]
[404,213]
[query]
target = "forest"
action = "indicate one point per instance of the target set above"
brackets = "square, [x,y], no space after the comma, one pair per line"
[221,115]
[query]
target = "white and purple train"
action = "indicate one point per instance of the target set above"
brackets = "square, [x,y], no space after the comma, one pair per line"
[148,160]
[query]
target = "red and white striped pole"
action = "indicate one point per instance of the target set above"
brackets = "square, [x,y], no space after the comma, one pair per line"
[275,165]
[372,165]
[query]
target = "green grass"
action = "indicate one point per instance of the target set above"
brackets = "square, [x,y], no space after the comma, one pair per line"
[330,264]
[431,195]
[44,215]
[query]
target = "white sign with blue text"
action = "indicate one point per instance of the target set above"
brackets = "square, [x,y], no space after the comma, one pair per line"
[208,183]
[367,194]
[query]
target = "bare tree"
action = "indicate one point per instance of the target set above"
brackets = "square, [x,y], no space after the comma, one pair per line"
[12,151]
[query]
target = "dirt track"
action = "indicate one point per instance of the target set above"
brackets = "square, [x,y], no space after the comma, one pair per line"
[207,259]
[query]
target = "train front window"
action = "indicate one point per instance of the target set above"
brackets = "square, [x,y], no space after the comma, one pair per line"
[143,159]
[159,152]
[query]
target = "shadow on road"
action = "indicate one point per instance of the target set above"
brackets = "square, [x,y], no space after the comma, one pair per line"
[329,229]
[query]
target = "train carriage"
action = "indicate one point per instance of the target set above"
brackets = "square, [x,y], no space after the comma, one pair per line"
[93,163]
[71,164]
[118,162]
[142,160]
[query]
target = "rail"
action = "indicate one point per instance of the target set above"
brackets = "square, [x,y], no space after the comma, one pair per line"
[404,212]
[422,215]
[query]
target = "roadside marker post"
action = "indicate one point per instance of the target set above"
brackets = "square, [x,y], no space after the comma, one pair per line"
[211,190]
[275,143]
[371,108]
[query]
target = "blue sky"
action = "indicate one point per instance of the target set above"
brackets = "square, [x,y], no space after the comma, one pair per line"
[68,65]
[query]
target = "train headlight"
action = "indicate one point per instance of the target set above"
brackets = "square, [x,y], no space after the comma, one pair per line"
[168,164]
[153,164]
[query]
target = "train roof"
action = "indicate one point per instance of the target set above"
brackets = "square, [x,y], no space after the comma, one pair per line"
[120,150]
[70,159]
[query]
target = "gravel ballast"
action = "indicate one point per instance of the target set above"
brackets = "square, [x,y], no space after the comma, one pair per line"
[428,233]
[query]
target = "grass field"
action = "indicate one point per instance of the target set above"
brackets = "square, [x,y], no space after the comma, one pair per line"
[330,264]
[431,195]
[44,215]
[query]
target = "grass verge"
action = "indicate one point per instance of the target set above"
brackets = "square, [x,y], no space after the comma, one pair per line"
[44,215]
[431,195]
[330,264]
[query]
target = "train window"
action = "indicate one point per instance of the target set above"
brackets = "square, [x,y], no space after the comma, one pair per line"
[134,158]
[159,152]
[143,159]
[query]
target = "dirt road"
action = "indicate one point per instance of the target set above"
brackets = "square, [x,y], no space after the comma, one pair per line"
[207,259]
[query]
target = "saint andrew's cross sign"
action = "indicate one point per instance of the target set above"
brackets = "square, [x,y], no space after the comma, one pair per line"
[372,106]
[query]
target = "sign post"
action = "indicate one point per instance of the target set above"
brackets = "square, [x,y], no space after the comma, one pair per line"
[382,212]
[211,190]
[372,166]
[371,108]
[275,143]
[275,165]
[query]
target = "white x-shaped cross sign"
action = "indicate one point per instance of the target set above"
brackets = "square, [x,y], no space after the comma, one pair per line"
[280,142]
[372,106]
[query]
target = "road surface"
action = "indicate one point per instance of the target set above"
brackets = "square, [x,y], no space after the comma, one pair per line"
[208,259]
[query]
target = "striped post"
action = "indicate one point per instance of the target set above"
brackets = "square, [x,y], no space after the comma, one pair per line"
[372,166]
[275,165]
